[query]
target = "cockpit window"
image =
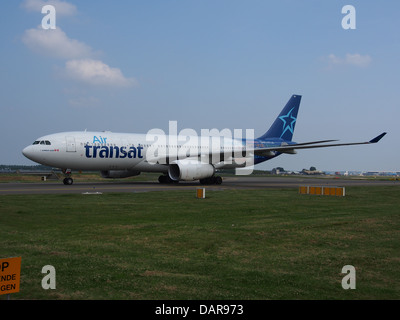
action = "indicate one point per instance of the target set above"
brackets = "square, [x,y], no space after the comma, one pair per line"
[46,142]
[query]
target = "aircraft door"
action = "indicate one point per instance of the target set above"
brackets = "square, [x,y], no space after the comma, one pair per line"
[71,147]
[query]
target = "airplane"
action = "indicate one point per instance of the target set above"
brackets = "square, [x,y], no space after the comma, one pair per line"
[120,155]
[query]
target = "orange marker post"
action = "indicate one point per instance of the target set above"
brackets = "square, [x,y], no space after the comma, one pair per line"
[200,193]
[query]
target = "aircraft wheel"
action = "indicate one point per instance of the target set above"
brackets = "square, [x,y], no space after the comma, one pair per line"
[217,180]
[166,179]
[211,180]
[68,181]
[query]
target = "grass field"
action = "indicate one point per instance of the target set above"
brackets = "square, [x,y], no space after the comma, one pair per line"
[235,244]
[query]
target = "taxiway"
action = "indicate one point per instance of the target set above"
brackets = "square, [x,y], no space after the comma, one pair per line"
[234,182]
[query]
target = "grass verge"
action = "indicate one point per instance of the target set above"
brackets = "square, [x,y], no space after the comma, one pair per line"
[235,244]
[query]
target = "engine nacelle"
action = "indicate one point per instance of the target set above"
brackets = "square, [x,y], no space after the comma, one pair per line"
[189,170]
[114,174]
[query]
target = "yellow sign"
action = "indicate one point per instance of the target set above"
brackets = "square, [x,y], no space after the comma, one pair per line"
[326,191]
[10,271]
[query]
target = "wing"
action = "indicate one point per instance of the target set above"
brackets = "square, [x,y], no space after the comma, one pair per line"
[308,145]
[268,151]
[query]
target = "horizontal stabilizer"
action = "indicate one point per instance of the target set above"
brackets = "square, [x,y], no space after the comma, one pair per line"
[313,142]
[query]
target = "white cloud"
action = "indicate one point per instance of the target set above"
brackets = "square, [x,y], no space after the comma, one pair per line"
[95,72]
[80,64]
[356,59]
[55,43]
[62,7]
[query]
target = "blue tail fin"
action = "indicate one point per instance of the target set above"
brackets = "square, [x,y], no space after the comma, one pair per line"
[283,126]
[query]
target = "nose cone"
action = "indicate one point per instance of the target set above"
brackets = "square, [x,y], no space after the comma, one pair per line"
[28,152]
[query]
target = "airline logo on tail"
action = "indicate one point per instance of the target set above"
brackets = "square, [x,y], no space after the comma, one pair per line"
[288,122]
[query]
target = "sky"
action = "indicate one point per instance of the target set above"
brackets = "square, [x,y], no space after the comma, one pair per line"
[133,66]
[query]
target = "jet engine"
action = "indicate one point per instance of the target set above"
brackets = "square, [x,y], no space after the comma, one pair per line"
[189,170]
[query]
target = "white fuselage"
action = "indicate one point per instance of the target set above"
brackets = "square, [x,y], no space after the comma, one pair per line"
[123,151]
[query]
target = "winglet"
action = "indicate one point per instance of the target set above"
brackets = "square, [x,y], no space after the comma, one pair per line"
[376,139]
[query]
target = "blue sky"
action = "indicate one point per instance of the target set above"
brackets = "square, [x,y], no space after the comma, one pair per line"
[131,66]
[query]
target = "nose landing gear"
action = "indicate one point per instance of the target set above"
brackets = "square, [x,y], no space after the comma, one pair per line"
[67,180]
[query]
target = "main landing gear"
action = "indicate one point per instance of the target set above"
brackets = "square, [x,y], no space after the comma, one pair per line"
[67,180]
[211,180]
[166,179]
